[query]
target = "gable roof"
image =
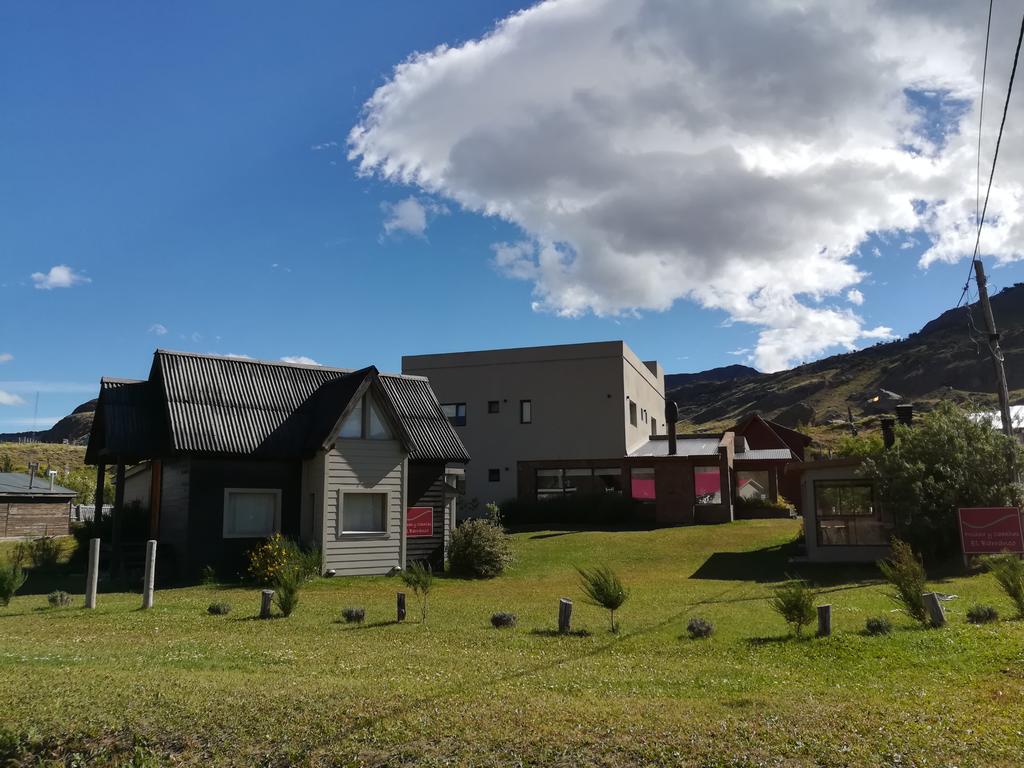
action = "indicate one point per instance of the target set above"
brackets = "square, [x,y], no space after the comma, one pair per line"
[227,406]
[17,484]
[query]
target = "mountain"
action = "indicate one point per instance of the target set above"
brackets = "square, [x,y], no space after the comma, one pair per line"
[947,359]
[74,428]
[725,373]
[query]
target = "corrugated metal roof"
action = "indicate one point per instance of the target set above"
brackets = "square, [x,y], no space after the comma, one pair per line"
[242,407]
[127,422]
[417,406]
[685,446]
[766,454]
[17,484]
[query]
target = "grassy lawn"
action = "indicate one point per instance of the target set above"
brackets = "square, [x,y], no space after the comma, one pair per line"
[174,685]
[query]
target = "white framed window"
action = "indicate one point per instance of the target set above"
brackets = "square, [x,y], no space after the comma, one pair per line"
[251,513]
[362,512]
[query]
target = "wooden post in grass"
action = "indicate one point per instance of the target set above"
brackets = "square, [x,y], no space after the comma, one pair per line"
[150,577]
[936,615]
[824,620]
[401,606]
[266,598]
[93,574]
[564,615]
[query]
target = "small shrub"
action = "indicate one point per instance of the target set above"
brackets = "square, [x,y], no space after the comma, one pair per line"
[44,552]
[58,599]
[276,555]
[208,576]
[12,577]
[604,589]
[982,614]
[353,615]
[419,578]
[794,602]
[1009,573]
[480,547]
[698,628]
[503,620]
[878,625]
[287,584]
[219,609]
[905,571]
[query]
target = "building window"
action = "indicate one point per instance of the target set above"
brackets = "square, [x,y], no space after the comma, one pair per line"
[251,513]
[363,512]
[848,515]
[549,483]
[494,475]
[707,485]
[641,483]
[608,479]
[456,413]
[752,486]
[365,421]
[582,480]
[526,412]
[493,406]
[654,427]
[632,413]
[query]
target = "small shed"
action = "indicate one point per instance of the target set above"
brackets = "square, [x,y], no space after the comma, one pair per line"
[33,506]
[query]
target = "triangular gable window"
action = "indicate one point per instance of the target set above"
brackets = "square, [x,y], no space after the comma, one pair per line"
[353,424]
[365,421]
[376,427]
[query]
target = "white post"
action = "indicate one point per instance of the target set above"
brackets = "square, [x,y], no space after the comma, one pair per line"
[92,575]
[936,615]
[147,583]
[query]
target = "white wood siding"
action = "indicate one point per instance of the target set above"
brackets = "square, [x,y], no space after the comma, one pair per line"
[377,465]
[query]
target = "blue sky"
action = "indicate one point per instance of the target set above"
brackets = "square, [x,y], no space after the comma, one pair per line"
[189,165]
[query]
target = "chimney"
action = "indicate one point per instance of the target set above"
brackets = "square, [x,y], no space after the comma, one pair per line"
[888,433]
[33,467]
[53,476]
[905,414]
[671,417]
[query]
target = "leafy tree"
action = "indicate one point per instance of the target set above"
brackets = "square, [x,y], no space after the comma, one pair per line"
[944,461]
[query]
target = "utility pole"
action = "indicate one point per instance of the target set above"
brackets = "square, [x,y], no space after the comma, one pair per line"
[993,345]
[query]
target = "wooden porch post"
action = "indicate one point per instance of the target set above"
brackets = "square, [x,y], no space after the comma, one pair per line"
[155,492]
[115,537]
[101,476]
[773,483]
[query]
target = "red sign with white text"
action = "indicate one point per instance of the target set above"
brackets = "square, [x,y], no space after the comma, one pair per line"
[990,530]
[419,522]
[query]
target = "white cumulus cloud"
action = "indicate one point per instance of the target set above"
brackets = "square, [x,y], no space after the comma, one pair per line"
[731,154]
[9,398]
[299,360]
[855,297]
[59,276]
[410,216]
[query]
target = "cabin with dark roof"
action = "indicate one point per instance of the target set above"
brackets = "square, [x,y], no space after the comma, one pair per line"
[32,506]
[358,463]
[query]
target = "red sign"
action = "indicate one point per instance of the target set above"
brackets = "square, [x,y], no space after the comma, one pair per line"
[643,488]
[991,530]
[419,522]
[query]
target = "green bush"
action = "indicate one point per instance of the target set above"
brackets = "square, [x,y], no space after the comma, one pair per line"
[586,509]
[479,549]
[503,620]
[419,578]
[219,609]
[982,614]
[698,628]
[58,599]
[794,602]
[878,625]
[1009,573]
[905,572]
[353,615]
[604,589]
[278,555]
[287,584]
[12,577]
[44,552]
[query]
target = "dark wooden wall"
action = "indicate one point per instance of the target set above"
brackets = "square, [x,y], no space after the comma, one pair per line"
[426,489]
[34,517]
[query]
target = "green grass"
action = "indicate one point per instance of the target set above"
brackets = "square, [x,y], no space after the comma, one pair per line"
[54,455]
[174,684]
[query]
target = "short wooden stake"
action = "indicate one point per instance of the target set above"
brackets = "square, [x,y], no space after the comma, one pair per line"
[936,615]
[150,577]
[93,574]
[401,606]
[564,615]
[824,620]
[266,598]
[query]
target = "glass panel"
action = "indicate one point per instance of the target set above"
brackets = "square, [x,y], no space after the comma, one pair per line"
[642,483]
[353,425]
[250,514]
[847,515]
[654,426]
[377,428]
[751,485]
[526,411]
[456,413]
[608,479]
[632,413]
[707,485]
[549,483]
[363,512]
[579,480]
[493,406]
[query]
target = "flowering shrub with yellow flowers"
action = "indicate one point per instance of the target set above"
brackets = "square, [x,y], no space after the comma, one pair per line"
[278,558]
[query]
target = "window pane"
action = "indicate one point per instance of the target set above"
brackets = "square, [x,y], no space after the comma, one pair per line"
[847,515]
[456,413]
[549,483]
[526,411]
[494,475]
[707,485]
[608,479]
[579,480]
[250,514]
[363,512]
[377,428]
[632,413]
[752,486]
[353,425]
[493,406]
[642,483]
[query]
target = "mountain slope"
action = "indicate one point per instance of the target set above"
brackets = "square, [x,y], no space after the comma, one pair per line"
[945,359]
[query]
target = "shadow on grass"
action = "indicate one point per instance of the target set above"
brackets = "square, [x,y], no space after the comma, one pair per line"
[556,633]
[772,564]
[757,642]
[367,624]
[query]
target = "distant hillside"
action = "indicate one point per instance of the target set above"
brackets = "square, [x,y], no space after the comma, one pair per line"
[74,428]
[941,361]
[50,456]
[725,373]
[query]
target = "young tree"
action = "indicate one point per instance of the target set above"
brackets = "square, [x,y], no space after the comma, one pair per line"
[604,588]
[944,461]
[419,578]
